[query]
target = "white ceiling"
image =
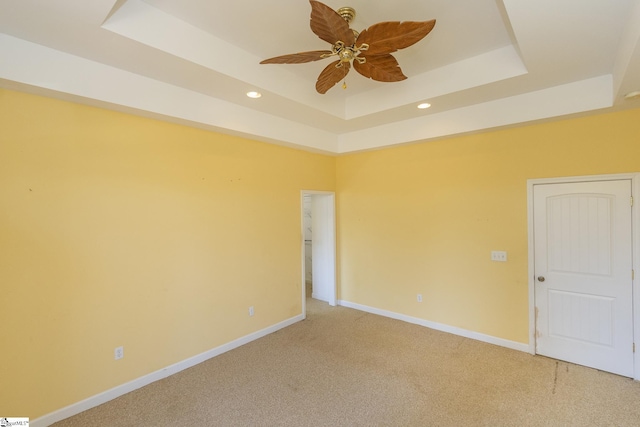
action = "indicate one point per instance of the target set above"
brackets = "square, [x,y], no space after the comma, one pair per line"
[486,64]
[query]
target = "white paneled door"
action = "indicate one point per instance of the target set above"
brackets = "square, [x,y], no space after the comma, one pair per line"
[323,247]
[583,273]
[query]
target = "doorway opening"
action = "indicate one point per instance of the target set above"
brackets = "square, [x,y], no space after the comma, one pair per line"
[318,247]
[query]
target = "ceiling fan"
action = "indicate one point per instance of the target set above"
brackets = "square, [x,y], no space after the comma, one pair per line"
[368,51]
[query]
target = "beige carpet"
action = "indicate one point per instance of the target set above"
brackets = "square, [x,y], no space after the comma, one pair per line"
[343,367]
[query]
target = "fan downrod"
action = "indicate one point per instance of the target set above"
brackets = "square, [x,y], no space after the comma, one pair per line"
[347,13]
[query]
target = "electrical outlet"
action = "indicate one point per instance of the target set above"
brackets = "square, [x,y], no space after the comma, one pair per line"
[499,256]
[118,353]
[419,297]
[251,311]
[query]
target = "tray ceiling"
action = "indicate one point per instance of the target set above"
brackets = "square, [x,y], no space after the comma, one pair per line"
[487,64]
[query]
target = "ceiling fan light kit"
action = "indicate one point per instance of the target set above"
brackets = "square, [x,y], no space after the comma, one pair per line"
[369,52]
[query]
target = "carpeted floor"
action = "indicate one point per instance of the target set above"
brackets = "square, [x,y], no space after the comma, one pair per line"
[343,367]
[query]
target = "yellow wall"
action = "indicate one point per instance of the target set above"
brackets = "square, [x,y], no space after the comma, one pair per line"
[424,218]
[119,230]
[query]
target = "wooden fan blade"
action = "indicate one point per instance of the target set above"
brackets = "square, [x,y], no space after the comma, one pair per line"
[331,75]
[298,58]
[329,26]
[382,68]
[388,37]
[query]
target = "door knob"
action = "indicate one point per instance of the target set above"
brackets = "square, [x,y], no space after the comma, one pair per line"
[540,278]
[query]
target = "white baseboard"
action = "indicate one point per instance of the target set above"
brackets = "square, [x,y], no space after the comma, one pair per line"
[120,390]
[439,326]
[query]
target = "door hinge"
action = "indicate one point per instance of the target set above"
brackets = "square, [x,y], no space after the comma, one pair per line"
[633,275]
[634,347]
[631,200]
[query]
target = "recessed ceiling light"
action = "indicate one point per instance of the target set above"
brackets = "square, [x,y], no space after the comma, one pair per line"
[254,94]
[424,106]
[632,95]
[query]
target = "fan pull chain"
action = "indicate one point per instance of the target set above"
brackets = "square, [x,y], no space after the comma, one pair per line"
[344,82]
